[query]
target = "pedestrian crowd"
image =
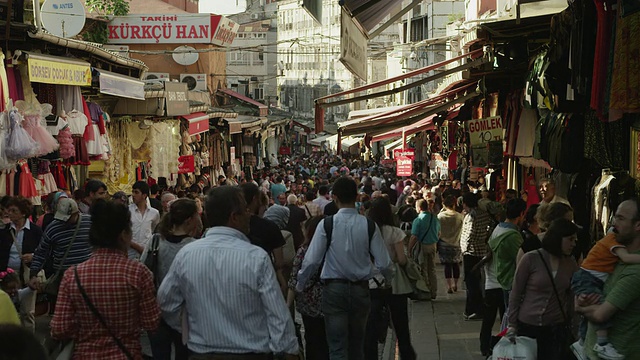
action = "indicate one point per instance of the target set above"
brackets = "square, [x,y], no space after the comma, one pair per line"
[224,272]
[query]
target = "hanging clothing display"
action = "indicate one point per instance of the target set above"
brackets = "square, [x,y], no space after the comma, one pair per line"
[165,148]
[34,114]
[625,92]
[19,145]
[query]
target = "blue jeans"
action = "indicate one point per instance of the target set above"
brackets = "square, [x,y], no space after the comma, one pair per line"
[346,309]
[583,282]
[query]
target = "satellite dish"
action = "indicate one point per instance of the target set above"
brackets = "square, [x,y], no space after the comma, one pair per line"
[64,18]
[185,55]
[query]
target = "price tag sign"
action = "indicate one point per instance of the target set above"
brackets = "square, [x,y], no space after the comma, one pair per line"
[483,131]
[410,153]
[404,166]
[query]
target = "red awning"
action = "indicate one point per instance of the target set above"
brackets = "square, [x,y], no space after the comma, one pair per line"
[264,109]
[305,127]
[422,125]
[198,122]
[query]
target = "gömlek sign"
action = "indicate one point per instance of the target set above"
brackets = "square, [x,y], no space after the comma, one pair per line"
[482,131]
[172,29]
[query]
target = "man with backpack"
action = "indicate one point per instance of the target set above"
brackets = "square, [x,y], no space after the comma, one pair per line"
[344,246]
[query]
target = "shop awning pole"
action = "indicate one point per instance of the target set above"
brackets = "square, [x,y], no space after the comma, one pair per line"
[404,140]
[339,145]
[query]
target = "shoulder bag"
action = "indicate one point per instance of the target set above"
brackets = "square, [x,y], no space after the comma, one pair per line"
[566,327]
[99,316]
[151,261]
[52,285]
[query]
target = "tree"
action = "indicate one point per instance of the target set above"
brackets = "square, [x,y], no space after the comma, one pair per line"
[98,32]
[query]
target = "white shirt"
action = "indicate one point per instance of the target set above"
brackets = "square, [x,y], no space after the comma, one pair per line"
[232,298]
[15,254]
[321,201]
[142,226]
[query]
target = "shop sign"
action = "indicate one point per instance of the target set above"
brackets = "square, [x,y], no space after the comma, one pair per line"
[353,46]
[410,153]
[172,29]
[482,131]
[186,164]
[59,73]
[176,98]
[284,150]
[404,166]
[388,163]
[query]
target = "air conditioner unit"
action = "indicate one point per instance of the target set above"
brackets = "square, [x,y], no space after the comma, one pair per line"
[255,16]
[157,76]
[196,82]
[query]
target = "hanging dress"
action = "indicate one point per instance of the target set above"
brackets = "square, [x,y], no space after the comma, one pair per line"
[46,179]
[45,141]
[27,183]
[4,127]
[19,145]
[77,124]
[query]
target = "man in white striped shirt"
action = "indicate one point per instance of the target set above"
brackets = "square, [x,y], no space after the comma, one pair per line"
[228,289]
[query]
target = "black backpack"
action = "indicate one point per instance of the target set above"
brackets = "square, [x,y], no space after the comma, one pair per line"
[328,229]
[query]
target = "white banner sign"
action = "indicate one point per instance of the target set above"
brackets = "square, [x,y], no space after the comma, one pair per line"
[172,29]
[482,131]
[353,47]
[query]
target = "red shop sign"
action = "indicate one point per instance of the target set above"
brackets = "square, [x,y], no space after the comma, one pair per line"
[404,166]
[284,150]
[410,153]
[186,164]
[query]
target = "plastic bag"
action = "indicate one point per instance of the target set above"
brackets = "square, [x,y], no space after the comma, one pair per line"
[525,348]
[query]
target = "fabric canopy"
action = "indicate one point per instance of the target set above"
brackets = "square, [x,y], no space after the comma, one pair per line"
[262,108]
[120,85]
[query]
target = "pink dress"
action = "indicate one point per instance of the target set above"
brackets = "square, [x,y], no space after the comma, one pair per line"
[46,142]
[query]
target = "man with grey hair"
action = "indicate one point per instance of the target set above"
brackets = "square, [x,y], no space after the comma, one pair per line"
[166,198]
[547,188]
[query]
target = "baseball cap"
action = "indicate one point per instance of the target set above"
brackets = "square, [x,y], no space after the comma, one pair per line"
[66,208]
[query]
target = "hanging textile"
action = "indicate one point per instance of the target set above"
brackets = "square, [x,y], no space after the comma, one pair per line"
[165,148]
[606,15]
[625,92]
[19,144]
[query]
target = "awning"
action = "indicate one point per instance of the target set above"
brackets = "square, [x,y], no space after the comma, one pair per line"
[58,70]
[244,122]
[198,122]
[395,144]
[370,13]
[120,85]
[355,114]
[422,125]
[322,102]
[319,140]
[304,127]
[409,114]
[346,142]
[263,109]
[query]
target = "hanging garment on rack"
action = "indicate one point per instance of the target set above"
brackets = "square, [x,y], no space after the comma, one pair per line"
[45,141]
[19,144]
[625,93]
[58,175]
[15,83]
[65,139]
[601,212]
[48,183]
[526,127]
[68,98]
[606,15]
[27,186]
[95,147]
[532,191]
[4,128]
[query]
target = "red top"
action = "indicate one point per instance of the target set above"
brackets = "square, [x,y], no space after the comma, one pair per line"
[122,290]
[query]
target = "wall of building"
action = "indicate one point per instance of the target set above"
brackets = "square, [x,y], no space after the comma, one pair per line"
[212,63]
[186,5]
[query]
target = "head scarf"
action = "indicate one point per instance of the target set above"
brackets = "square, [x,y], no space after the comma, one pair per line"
[278,214]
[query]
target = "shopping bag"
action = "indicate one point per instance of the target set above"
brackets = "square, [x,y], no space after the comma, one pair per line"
[525,348]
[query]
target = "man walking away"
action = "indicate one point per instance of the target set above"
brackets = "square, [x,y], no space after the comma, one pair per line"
[426,230]
[345,272]
[226,289]
[476,227]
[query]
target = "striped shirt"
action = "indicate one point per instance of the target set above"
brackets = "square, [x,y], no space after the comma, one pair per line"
[56,240]
[231,296]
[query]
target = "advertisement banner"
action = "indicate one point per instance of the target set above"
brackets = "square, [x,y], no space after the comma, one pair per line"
[482,131]
[353,46]
[284,150]
[186,164]
[410,153]
[172,29]
[59,73]
[404,166]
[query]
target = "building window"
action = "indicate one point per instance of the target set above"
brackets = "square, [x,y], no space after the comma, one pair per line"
[238,58]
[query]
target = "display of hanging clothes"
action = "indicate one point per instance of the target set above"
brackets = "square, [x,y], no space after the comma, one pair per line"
[68,98]
[4,128]
[96,146]
[601,212]
[65,139]
[19,145]
[33,116]
[606,15]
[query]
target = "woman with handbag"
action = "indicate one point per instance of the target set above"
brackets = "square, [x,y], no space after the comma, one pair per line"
[395,298]
[541,300]
[178,227]
[105,302]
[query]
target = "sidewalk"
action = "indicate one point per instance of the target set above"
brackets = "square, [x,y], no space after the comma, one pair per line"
[438,330]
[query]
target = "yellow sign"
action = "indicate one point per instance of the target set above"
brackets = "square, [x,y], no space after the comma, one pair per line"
[53,72]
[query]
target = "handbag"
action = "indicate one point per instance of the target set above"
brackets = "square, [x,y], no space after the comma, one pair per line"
[151,261]
[525,348]
[567,323]
[52,285]
[99,316]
